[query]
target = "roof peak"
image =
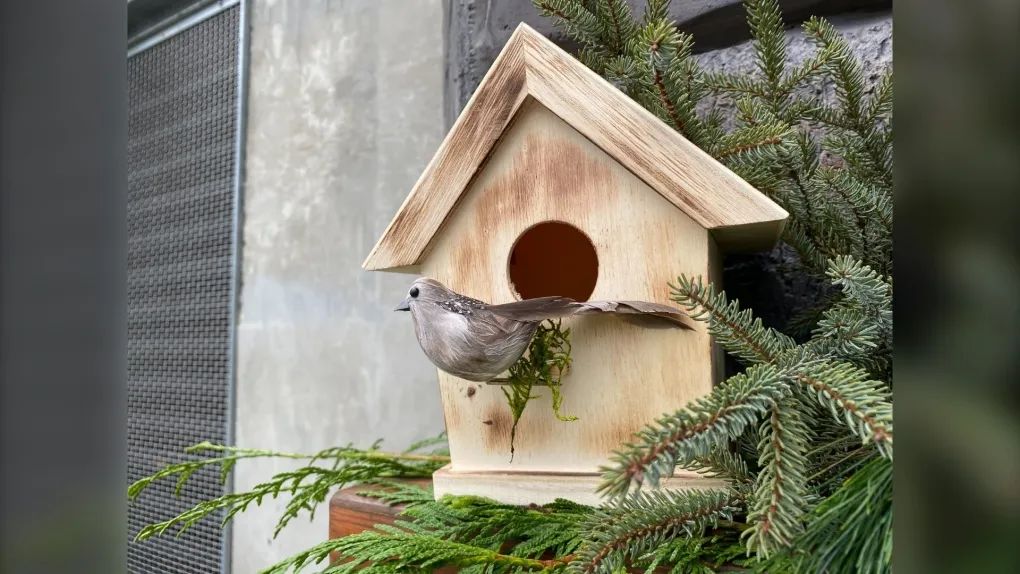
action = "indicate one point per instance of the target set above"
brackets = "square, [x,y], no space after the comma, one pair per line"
[530,65]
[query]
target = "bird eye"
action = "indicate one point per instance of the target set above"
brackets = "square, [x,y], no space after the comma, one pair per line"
[413,292]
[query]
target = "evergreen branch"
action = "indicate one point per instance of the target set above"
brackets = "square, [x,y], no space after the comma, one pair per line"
[396,549]
[619,23]
[754,138]
[810,68]
[766,22]
[573,18]
[779,500]
[639,524]
[705,424]
[736,330]
[735,84]
[469,532]
[848,76]
[881,102]
[860,403]
[850,531]
[307,486]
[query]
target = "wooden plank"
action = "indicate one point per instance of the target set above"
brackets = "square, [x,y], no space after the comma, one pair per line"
[350,513]
[523,488]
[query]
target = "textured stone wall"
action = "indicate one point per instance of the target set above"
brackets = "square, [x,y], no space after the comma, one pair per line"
[478,29]
[344,111]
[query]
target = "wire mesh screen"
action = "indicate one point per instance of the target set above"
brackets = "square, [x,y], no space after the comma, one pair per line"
[181,158]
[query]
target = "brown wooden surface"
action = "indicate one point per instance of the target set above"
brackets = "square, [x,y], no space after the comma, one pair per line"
[350,513]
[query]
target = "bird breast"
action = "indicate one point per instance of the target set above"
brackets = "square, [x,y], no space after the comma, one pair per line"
[477,347]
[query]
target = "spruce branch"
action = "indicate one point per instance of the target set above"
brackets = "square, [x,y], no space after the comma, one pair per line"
[766,22]
[735,329]
[853,398]
[705,424]
[639,524]
[850,531]
[573,18]
[780,496]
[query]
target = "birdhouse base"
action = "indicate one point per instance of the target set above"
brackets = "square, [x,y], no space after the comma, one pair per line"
[523,488]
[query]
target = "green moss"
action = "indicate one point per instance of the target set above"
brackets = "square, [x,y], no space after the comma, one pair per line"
[545,363]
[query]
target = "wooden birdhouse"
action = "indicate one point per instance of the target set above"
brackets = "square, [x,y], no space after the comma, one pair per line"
[553,182]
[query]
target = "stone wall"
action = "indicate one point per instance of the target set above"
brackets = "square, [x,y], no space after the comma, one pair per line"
[344,111]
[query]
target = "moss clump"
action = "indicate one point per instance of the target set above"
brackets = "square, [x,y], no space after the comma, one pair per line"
[545,363]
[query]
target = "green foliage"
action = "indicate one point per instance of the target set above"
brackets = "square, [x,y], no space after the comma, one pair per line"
[471,533]
[850,531]
[695,431]
[545,363]
[804,434]
[638,525]
[307,486]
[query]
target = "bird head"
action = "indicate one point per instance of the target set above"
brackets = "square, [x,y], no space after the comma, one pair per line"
[424,290]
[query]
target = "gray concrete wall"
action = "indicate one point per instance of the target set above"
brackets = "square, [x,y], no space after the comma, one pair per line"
[345,109]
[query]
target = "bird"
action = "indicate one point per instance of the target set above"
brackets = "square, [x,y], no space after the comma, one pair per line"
[476,341]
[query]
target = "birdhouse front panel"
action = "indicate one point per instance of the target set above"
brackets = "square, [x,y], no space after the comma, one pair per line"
[550,213]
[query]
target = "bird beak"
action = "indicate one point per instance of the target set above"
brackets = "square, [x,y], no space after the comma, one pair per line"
[405,305]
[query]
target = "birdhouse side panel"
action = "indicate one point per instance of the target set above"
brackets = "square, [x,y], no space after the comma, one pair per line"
[623,375]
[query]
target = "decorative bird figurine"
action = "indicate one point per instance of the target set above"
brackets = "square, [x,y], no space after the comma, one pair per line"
[476,341]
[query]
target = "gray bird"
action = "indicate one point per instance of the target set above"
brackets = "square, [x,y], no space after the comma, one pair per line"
[476,341]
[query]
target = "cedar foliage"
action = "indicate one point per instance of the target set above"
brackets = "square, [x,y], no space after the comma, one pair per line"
[804,433]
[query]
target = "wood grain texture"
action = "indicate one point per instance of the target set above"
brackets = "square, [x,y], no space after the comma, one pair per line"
[530,66]
[350,513]
[623,375]
[523,488]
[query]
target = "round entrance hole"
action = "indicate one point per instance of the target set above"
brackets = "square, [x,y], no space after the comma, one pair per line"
[554,258]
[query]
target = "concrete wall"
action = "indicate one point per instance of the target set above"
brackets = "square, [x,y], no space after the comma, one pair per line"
[345,109]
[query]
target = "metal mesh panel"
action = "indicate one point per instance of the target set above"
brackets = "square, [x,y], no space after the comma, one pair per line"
[181,159]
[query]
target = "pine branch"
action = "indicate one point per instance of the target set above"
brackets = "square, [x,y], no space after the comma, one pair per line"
[640,524]
[735,330]
[705,424]
[780,496]
[617,23]
[766,22]
[851,531]
[862,404]
[571,16]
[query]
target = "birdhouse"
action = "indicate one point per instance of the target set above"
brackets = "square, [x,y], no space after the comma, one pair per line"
[553,182]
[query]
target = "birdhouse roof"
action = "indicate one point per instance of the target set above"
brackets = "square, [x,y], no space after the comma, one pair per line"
[530,66]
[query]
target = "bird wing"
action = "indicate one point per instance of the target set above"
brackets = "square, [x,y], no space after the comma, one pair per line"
[639,310]
[538,309]
[542,308]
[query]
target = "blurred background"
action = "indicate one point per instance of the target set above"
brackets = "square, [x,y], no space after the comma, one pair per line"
[269,144]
